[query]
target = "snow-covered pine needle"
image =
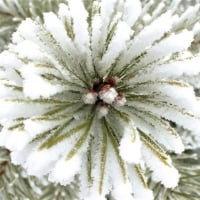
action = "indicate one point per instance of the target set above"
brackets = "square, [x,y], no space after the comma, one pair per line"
[89,93]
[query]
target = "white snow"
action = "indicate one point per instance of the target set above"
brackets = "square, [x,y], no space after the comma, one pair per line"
[116,46]
[186,66]
[29,50]
[108,95]
[57,29]
[40,162]
[14,140]
[146,37]
[122,191]
[90,98]
[9,110]
[36,87]
[140,192]
[120,101]
[130,145]
[173,44]
[132,10]
[65,170]
[161,172]
[80,25]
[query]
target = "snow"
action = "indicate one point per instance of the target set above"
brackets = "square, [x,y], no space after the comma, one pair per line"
[44,58]
[40,125]
[188,66]
[146,37]
[29,50]
[102,111]
[95,37]
[107,9]
[173,44]
[132,10]
[9,110]
[94,196]
[57,29]
[36,87]
[130,145]
[108,95]
[175,92]
[40,162]
[122,191]
[120,101]
[65,170]
[116,46]
[172,112]
[14,140]
[140,192]
[80,25]
[90,97]
[20,157]
[161,172]
[26,31]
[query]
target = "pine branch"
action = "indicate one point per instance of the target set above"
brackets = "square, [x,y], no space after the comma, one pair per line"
[188,165]
[16,185]
[13,12]
[87,94]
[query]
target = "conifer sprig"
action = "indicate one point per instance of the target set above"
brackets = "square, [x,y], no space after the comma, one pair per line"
[12,13]
[88,94]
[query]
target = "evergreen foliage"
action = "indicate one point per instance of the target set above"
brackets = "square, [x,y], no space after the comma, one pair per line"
[12,13]
[98,99]
[16,185]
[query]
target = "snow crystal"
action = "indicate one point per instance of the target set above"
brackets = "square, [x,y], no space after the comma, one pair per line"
[165,173]
[64,170]
[146,37]
[56,27]
[35,86]
[90,98]
[108,95]
[172,44]
[9,109]
[40,162]
[130,146]
[117,45]
[14,140]
[132,10]
[140,192]
[122,191]
[80,25]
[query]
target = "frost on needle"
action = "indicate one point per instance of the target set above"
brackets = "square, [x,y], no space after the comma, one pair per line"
[88,94]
